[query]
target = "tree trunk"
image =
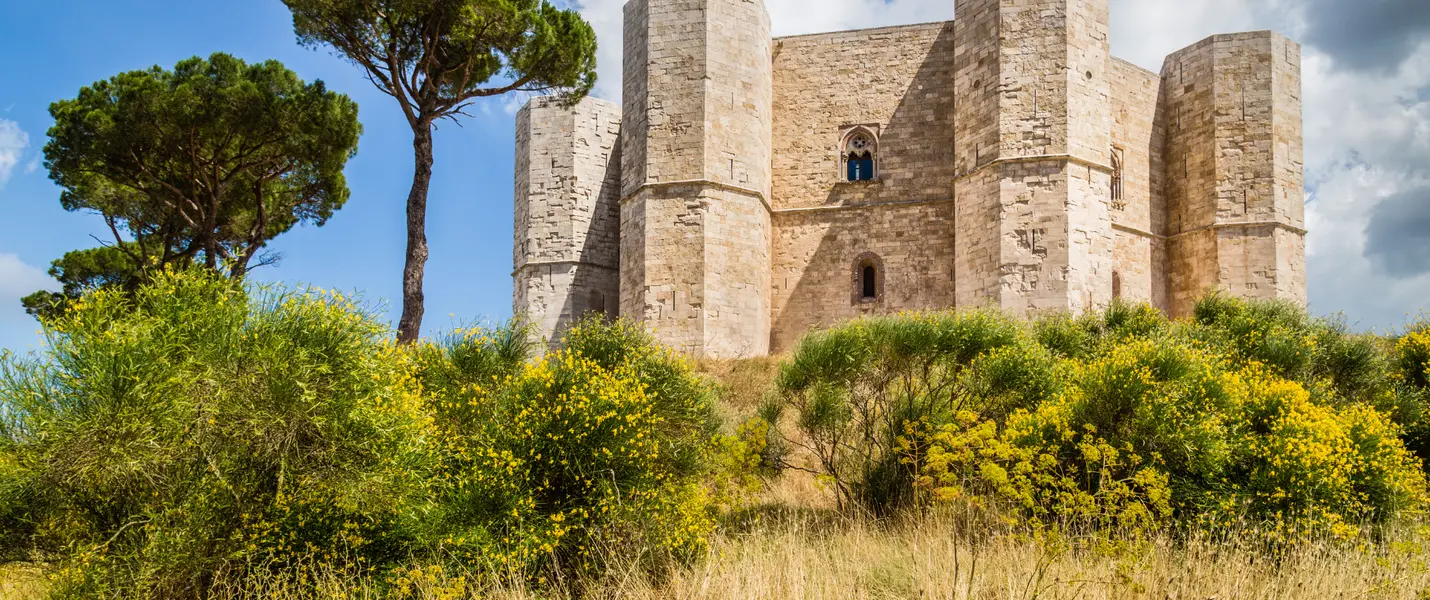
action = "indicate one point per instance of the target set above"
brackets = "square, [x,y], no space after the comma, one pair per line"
[410,327]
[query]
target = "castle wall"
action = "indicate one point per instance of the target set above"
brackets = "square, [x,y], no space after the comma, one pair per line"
[978,224]
[712,207]
[1235,174]
[1189,106]
[663,108]
[1140,217]
[695,241]
[1034,128]
[566,236]
[739,95]
[816,254]
[896,81]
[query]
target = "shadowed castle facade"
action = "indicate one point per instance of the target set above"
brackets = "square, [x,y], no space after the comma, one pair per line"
[752,188]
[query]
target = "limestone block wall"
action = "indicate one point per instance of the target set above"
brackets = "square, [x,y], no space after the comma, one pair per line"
[816,253]
[1054,237]
[739,95]
[978,260]
[1233,106]
[663,92]
[711,206]
[979,237]
[696,173]
[566,238]
[896,82]
[697,93]
[1288,182]
[1139,217]
[1051,118]
[1191,178]
[698,254]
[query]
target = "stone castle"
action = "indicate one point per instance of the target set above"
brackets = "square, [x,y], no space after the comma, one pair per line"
[752,188]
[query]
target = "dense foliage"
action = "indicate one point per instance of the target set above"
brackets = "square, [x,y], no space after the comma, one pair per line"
[1249,413]
[189,437]
[595,449]
[202,164]
[191,432]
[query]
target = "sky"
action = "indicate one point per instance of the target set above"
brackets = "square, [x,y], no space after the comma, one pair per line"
[1366,77]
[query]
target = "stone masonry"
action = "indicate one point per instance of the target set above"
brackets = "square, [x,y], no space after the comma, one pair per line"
[1015,164]
[567,247]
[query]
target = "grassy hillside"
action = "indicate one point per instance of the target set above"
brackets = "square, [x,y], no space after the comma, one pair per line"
[193,440]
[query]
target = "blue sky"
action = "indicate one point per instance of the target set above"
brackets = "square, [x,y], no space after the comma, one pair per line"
[1366,79]
[54,48]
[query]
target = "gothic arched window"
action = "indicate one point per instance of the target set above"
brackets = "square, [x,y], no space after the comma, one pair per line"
[868,278]
[859,154]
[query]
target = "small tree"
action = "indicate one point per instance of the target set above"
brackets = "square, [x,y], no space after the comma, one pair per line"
[437,56]
[81,271]
[203,164]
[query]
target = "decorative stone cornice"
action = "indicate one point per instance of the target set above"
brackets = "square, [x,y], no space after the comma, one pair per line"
[840,207]
[1034,158]
[1212,227]
[656,185]
[548,263]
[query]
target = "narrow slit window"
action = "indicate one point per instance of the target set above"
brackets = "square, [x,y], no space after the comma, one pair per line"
[596,303]
[1117,201]
[868,279]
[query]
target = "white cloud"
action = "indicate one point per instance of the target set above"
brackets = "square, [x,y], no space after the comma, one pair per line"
[1367,132]
[33,165]
[13,142]
[18,280]
[605,16]
[1144,32]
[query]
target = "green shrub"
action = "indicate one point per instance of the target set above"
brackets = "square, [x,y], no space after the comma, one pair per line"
[856,389]
[186,430]
[557,465]
[1303,467]
[1118,419]
[1408,369]
[1412,358]
[1157,429]
[189,434]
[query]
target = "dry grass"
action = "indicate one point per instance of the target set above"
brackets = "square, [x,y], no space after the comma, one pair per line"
[743,384]
[786,551]
[21,582]
[793,545]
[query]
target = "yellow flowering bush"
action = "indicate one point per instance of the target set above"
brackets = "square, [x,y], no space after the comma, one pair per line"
[858,391]
[1413,358]
[190,428]
[591,452]
[1250,413]
[1157,429]
[1305,467]
[1040,473]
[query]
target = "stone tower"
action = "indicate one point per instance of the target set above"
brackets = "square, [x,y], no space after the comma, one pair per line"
[1234,169]
[567,246]
[750,189]
[1032,143]
[695,174]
